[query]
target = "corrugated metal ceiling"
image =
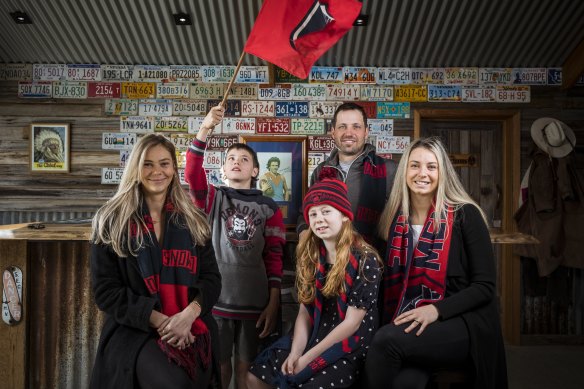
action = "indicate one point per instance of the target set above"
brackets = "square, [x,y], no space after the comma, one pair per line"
[409,33]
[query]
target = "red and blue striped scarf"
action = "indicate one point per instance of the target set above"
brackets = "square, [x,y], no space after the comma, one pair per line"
[415,276]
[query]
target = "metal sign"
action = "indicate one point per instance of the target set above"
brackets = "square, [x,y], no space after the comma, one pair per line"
[49,72]
[252,74]
[253,108]
[280,126]
[154,73]
[424,76]
[171,123]
[307,127]
[138,90]
[217,73]
[291,109]
[393,110]
[243,92]
[117,72]
[118,140]
[137,123]
[189,107]
[392,144]
[207,91]
[394,76]
[83,72]
[124,107]
[530,76]
[308,92]
[70,90]
[283,76]
[376,92]
[478,94]
[182,141]
[239,126]
[513,94]
[12,295]
[16,72]
[172,90]
[195,124]
[34,89]
[413,93]
[380,126]
[326,74]
[213,159]
[221,142]
[444,92]
[359,75]
[104,90]
[320,143]
[280,92]
[232,107]
[342,92]
[495,76]
[185,73]
[111,175]
[323,109]
[461,76]
[154,107]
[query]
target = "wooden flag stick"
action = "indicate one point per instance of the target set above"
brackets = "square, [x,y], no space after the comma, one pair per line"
[232,79]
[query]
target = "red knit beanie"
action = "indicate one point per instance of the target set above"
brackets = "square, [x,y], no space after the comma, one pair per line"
[331,192]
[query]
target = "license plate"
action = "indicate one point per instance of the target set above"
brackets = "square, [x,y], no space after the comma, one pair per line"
[376,92]
[124,156]
[212,159]
[554,76]
[416,93]
[41,89]
[291,109]
[111,175]
[153,73]
[308,92]
[137,124]
[104,90]
[70,90]
[478,94]
[117,72]
[125,107]
[221,142]
[495,76]
[342,92]
[380,126]
[16,72]
[185,73]
[138,90]
[257,108]
[323,109]
[232,107]
[283,76]
[83,72]
[217,73]
[172,90]
[370,108]
[392,144]
[314,159]
[320,143]
[189,107]
[393,110]
[424,76]
[394,76]
[118,140]
[155,108]
[513,94]
[49,72]
[276,93]
[461,76]
[195,123]
[326,74]
[214,176]
[243,92]
[181,158]
[182,141]
[171,123]
[206,91]
[273,126]
[444,92]
[359,75]
[530,76]
[307,127]
[238,126]
[252,74]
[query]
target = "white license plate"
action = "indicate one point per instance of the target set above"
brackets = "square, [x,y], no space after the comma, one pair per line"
[444,92]
[323,109]
[394,76]
[111,175]
[314,159]
[207,91]
[172,90]
[49,72]
[461,76]
[307,127]
[124,156]
[252,74]
[155,108]
[195,123]
[41,89]
[118,140]
[359,75]
[530,76]
[83,72]
[380,126]
[171,123]
[153,73]
[189,107]
[308,92]
[70,90]
[479,94]
[424,76]
[117,72]
[239,126]
[124,107]
[513,94]
[213,73]
[495,76]
[212,159]
[243,92]
[137,123]
[257,108]
[376,92]
[16,72]
[182,141]
[392,144]
[138,90]
[185,73]
[342,92]
[326,74]
[274,93]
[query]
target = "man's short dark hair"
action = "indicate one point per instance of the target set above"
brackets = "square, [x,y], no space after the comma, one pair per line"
[349,107]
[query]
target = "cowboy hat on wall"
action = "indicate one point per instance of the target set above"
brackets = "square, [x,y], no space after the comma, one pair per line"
[553,136]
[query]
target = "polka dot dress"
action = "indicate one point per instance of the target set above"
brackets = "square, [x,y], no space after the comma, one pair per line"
[344,372]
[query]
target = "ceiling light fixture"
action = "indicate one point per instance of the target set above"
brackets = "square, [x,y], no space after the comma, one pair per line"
[20,17]
[361,21]
[182,19]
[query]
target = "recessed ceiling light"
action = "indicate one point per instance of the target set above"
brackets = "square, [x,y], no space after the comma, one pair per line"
[361,21]
[20,17]
[182,19]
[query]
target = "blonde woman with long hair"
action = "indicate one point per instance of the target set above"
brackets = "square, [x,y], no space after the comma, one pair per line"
[154,274]
[438,291]
[337,279]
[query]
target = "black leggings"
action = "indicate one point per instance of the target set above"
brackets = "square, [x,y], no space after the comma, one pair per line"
[155,371]
[398,360]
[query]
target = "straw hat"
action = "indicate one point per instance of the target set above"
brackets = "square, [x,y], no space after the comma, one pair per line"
[553,136]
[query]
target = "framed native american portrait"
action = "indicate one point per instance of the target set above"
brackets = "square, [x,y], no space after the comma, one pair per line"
[283,174]
[49,148]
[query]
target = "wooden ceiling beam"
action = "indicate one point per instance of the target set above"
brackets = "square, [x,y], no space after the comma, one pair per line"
[573,67]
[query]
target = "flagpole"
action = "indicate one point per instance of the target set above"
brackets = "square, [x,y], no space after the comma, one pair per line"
[232,79]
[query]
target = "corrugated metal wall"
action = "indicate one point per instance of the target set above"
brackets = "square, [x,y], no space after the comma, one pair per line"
[15,217]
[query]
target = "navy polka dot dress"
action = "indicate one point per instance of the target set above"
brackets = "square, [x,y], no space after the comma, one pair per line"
[344,372]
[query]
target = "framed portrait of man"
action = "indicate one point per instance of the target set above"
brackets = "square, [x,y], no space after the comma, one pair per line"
[49,148]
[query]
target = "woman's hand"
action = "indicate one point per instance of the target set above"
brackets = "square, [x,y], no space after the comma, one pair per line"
[422,317]
[177,331]
[289,365]
[301,364]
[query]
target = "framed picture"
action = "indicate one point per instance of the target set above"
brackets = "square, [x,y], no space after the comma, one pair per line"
[283,172]
[49,148]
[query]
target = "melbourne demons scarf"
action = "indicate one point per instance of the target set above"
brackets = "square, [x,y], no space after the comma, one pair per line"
[415,276]
[168,272]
